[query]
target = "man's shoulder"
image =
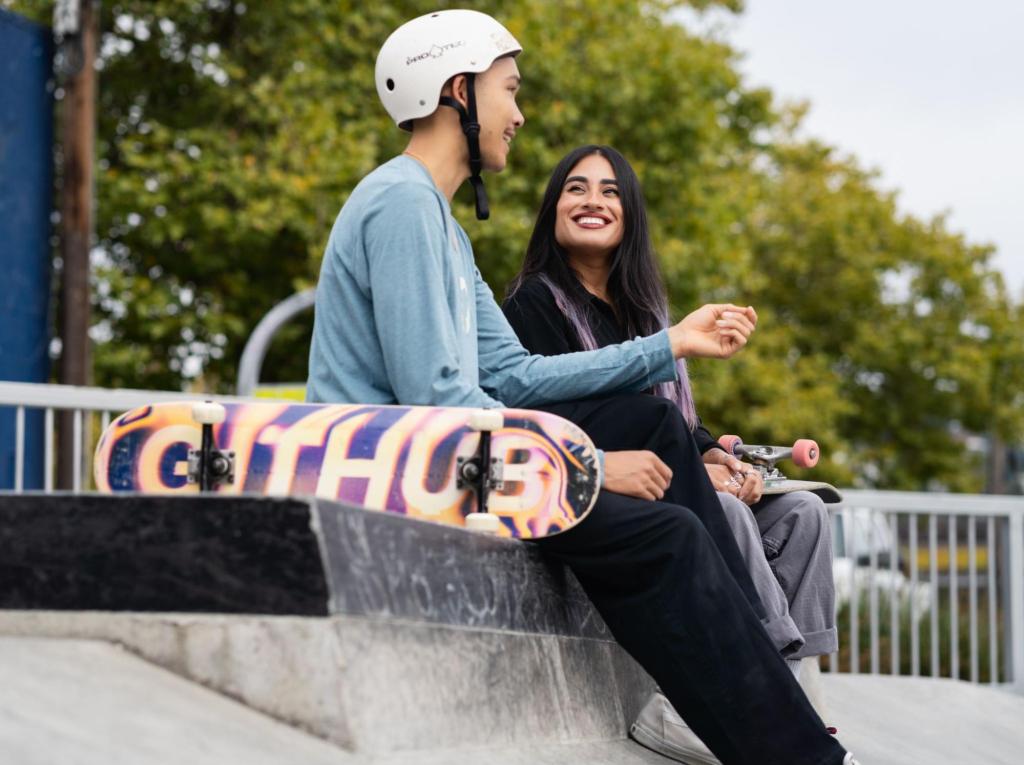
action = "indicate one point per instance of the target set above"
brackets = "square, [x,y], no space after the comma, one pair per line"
[399,187]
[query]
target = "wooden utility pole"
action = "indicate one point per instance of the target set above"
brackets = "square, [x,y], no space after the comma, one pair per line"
[78,43]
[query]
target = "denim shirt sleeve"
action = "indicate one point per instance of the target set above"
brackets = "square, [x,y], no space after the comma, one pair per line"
[512,375]
[418,337]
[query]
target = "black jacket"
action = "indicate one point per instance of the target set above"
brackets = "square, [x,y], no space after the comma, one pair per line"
[543,329]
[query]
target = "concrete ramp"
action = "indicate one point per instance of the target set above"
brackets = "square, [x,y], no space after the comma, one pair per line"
[85,702]
[925,721]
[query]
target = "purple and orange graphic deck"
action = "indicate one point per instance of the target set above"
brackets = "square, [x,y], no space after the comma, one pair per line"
[399,459]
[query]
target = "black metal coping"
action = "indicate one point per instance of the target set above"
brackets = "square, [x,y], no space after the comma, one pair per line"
[258,555]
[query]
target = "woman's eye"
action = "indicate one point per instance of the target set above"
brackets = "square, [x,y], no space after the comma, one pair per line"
[611,192]
[574,188]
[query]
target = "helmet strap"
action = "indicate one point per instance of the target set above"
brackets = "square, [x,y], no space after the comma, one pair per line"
[471,128]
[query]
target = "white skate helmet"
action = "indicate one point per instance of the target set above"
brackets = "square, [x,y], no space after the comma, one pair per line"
[423,54]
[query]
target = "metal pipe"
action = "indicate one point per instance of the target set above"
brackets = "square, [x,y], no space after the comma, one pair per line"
[954,601]
[933,554]
[1016,604]
[19,449]
[915,627]
[993,600]
[873,592]
[48,450]
[77,452]
[972,583]
[894,597]
[259,341]
[854,598]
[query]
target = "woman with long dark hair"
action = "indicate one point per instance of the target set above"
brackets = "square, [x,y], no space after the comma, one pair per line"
[590,278]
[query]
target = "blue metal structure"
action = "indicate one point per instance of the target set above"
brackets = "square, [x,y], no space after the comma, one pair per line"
[26,200]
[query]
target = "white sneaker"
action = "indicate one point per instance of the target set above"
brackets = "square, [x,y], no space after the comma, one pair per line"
[659,727]
[810,681]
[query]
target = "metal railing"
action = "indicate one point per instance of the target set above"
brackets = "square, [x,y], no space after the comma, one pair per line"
[934,585]
[929,583]
[88,407]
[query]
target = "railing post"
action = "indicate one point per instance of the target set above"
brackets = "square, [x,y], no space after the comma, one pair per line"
[1016,593]
[19,449]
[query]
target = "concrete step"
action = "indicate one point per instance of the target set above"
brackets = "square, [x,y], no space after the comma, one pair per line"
[93,703]
[393,642]
[90,703]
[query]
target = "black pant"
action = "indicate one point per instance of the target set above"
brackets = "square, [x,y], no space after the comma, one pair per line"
[641,421]
[658,579]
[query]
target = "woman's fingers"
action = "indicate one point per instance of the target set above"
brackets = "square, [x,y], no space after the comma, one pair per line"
[734,326]
[753,487]
[736,320]
[747,312]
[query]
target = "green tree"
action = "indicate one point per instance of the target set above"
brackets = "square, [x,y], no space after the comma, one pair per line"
[230,135]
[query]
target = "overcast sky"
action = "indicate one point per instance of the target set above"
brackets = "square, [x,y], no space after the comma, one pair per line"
[929,92]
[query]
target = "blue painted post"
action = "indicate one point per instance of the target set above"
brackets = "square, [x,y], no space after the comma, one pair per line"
[26,201]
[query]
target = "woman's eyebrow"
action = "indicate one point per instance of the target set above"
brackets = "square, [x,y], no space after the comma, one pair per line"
[584,179]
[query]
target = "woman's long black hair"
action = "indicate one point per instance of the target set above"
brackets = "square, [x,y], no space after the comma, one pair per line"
[635,285]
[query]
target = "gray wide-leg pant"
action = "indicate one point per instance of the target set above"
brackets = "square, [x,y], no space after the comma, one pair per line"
[786,541]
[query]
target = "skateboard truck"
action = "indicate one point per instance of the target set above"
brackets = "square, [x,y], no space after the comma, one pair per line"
[209,466]
[482,473]
[804,453]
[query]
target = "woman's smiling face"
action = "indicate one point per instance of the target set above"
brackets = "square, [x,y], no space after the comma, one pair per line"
[588,217]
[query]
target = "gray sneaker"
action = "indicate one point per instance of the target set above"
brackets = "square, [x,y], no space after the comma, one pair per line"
[660,728]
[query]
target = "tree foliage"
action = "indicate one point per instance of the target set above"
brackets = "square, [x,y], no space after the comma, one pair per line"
[230,135]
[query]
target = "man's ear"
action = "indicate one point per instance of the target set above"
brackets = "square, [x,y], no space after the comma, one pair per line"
[459,89]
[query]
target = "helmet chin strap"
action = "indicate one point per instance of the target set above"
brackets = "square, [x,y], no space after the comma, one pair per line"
[470,126]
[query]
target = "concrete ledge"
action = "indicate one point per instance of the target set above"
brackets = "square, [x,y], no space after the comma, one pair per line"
[379,634]
[258,555]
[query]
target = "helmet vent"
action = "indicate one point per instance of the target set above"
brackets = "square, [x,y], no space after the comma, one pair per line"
[390,83]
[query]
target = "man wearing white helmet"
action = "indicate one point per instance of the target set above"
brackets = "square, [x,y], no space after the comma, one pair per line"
[403,317]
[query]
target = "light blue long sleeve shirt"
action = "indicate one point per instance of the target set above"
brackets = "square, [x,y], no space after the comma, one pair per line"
[404,317]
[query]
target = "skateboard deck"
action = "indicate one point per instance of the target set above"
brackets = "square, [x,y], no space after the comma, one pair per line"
[399,459]
[804,453]
[829,494]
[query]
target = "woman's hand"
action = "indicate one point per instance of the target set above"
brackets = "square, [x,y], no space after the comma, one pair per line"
[716,331]
[638,474]
[723,479]
[732,476]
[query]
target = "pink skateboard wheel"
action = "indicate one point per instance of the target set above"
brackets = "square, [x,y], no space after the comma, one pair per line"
[806,453]
[729,443]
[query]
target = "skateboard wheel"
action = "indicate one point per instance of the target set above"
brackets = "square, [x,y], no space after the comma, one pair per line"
[208,413]
[806,453]
[486,420]
[729,443]
[485,523]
